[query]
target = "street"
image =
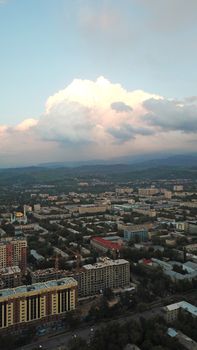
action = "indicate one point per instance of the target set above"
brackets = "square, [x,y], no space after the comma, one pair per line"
[56,341]
[60,340]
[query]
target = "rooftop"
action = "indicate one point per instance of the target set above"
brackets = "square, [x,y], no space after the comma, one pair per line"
[192,309]
[104,263]
[105,243]
[11,239]
[10,270]
[37,287]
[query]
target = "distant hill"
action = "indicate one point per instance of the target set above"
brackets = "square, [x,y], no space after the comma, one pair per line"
[180,166]
[143,161]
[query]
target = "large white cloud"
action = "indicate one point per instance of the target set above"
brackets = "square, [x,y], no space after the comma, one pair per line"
[91,119]
[88,111]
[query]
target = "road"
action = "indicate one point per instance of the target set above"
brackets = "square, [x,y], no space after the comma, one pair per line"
[61,340]
[57,341]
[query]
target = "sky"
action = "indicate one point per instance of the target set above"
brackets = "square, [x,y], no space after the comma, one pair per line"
[96,79]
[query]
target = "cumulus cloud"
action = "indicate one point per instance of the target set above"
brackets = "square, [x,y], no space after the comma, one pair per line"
[88,111]
[26,124]
[94,119]
[171,115]
[126,132]
[67,122]
[120,106]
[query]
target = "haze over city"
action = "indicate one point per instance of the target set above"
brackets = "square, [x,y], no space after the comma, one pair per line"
[89,80]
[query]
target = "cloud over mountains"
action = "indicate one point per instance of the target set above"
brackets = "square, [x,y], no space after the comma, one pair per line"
[90,119]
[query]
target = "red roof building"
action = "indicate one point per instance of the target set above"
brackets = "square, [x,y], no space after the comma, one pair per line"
[99,243]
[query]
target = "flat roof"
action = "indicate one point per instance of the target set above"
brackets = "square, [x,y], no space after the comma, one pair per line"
[104,263]
[37,287]
[172,332]
[105,243]
[192,309]
[10,270]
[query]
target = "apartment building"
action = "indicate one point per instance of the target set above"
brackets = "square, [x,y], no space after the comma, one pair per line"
[172,310]
[40,302]
[13,252]
[10,276]
[105,274]
[92,209]
[191,227]
[178,188]
[124,190]
[47,275]
[147,212]
[146,192]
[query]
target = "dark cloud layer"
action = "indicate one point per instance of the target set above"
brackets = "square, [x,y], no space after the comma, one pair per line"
[120,106]
[126,132]
[171,115]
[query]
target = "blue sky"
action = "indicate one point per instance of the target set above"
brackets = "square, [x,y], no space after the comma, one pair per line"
[46,44]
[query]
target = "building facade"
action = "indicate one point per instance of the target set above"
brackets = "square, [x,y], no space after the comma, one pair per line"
[11,276]
[47,275]
[40,302]
[136,232]
[105,274]
[172,310]
[13,252]
[146,192]
[191,227]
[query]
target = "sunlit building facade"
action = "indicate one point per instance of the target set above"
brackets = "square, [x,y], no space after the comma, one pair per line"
[40,302]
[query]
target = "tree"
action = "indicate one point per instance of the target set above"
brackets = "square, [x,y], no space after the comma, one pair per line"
[77,343]
[108,294]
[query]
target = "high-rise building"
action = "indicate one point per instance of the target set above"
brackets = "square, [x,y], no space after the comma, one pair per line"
[107,273]
[40,302]
[13,252]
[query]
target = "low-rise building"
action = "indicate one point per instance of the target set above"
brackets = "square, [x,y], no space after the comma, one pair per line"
[36,256]
[191,227]
[124,190]
[186,271]
[178,188]
[191,247]
[92,209]
[146,192]
[180,226]
[147,212]
[183,339]
[172,310]
[136,232]
[102,245]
